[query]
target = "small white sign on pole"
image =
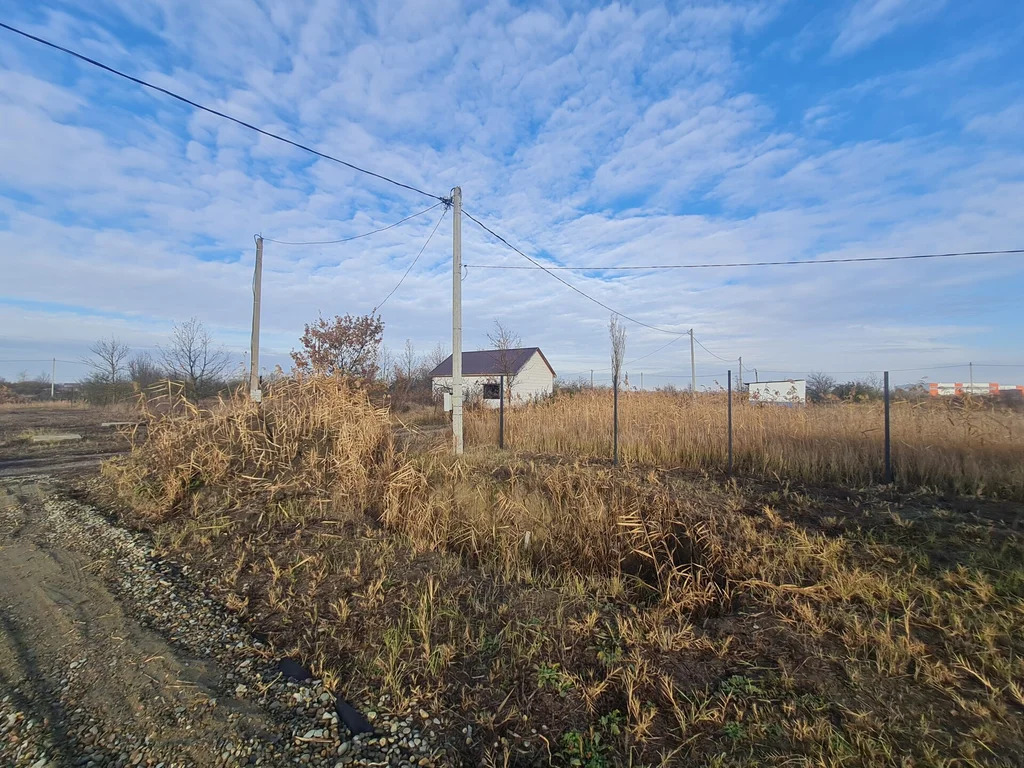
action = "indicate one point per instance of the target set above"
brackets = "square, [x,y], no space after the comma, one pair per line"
[447,401]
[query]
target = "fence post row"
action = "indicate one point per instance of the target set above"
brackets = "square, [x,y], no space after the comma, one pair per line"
[888,435]
[729,391]
[501,412]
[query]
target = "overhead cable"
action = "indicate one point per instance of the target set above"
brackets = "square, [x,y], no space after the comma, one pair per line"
[409,269]
[218,113]
[353,237]
[641,267]
[567,284]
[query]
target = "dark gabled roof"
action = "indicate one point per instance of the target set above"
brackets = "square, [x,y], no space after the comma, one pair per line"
[491,362]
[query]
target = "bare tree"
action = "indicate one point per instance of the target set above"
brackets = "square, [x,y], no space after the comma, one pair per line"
[617,333]
[108,359]
[436,356]
[192,357]
[144,371]
[819,387]
[504,339]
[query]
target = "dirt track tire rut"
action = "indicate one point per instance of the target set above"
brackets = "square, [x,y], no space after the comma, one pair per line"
[109,657]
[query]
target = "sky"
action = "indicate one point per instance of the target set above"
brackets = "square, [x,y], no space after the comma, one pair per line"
[587,135]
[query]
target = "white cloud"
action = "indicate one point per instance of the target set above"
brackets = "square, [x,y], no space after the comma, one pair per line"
[608,136]
[871,20]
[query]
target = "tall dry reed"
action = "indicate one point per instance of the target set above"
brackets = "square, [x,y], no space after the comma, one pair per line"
[318,440]
[970,447]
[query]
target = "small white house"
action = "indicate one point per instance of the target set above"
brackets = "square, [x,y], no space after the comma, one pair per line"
[529,372]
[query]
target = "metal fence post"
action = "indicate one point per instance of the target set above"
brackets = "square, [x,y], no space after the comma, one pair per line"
[729,390]
[888,435]
[501,412]
[615,426]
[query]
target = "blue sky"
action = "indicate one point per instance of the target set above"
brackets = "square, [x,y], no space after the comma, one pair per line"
[588,134]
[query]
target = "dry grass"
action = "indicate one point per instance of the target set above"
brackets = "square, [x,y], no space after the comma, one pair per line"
[573,614]
[968,447]
[317,442]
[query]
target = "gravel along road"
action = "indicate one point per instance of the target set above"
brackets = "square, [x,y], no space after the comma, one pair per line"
[110,657]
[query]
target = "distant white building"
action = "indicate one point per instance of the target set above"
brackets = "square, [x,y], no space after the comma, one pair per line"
[531,375]
[787,392]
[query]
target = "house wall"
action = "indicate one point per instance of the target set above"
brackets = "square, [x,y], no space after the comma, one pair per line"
[533,381]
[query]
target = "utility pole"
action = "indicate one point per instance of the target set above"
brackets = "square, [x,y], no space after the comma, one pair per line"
[756,378]
[971,366]
[641,381]
[739,383]
[254,353]
[591,378]
[457,320]
[693,367]
[53,375]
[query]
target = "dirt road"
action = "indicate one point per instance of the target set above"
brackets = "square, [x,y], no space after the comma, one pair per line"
[109,657]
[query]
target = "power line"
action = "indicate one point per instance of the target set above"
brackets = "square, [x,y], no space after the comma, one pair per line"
[409,269]
[719,357]
[755,263]
[354,237]
[212,111]
[649,354]
[582,293]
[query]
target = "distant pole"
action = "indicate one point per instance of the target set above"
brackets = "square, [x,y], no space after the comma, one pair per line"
[729,391]
[457,319]
[591,378]
[53,375]
[740,380]
[254,355]
[641,381]
[501,413]
[756,379]
[971,366]
[888,441]
[693,367]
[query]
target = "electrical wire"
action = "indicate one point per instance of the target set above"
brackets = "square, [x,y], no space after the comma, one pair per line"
[354,237]
[718,357]
[567,284]
[649,354]
[409,269]
[212,111]
[758,263]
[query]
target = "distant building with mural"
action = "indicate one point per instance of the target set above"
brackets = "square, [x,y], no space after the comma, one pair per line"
[959,389]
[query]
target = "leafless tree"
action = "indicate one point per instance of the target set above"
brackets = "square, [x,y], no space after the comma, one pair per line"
[108,359]
[192,357]
[617,332]
[144,371]
[436,356]
[504,339]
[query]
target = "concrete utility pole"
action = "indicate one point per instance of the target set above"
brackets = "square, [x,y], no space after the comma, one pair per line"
[740,380]
[457,319]
[591,378]
[971,366]
[693,367]
[254,353]
[53,375]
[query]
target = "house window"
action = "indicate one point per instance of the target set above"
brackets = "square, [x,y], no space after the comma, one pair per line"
[492,391]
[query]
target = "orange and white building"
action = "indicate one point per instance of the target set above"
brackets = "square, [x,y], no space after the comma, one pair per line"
[978,388]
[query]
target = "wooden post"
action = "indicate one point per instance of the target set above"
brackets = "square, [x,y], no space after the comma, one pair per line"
[254,351]
[501,412]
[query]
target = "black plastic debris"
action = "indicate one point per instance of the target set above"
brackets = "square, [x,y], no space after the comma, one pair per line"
[351,717]
[293,670]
